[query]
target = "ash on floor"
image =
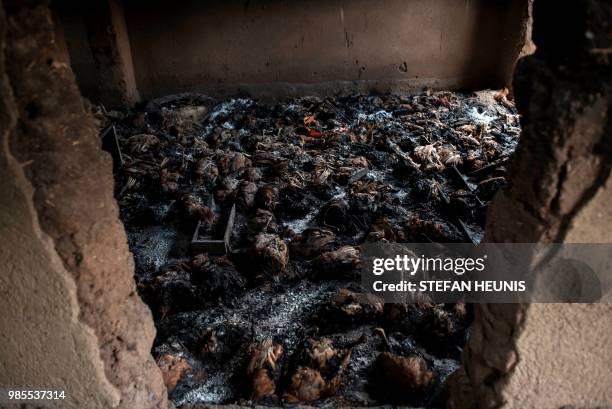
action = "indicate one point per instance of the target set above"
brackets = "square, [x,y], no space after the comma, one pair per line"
[281,318]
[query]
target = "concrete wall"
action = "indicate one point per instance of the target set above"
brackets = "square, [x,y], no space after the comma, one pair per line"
[279,48]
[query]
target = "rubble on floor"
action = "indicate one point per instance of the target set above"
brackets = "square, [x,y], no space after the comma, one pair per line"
[282,196]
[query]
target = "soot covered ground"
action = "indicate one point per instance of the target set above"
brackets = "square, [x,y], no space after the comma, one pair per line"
[281,317]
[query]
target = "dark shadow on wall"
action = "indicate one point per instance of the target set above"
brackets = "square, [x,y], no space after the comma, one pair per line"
[498,34]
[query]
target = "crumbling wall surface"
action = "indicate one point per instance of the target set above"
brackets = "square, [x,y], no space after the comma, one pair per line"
[42,342]
[57,144]
[547,356]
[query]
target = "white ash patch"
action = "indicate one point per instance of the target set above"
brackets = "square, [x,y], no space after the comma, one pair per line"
[228,107]
[299,225]
[151,246]
[481,117]
[377,117]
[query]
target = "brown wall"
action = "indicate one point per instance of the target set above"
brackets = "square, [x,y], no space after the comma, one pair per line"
[63,241]
[300,46]
[549,356]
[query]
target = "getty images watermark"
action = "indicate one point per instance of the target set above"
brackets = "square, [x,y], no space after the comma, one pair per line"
[492,273]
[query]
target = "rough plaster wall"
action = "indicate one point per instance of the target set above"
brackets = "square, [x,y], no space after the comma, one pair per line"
[56,141]
[42,342]
[582,333]
[592,223]
[565,358]
[546,356]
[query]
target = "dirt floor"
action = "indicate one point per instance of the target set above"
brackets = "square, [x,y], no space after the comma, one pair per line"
[290,191]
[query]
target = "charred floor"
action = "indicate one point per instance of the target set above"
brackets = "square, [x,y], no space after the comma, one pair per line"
[246,218]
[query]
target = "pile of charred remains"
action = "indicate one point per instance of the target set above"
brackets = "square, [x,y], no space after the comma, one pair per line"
[246,220]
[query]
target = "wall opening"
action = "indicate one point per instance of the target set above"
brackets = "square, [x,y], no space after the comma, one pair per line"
[246,216]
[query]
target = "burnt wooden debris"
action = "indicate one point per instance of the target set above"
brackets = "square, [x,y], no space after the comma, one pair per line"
[110,143]
[207,244]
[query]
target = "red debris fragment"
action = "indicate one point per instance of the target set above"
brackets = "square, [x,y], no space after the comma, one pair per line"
[313,133]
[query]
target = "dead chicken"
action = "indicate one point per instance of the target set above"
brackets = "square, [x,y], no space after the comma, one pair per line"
[474,161]
[320,352]
[428,189]
[482,129]
[183,120]
[216,276]
[169,180]
[267,197]
[252,174]
[449,156]
[309,384]
[208,343]
[226,188]
[376,236]
[382,230]
[280,169]
[264,221]
[272,252]
[267,158]
[335,214]
[342,262]
[490,147]
[142,143]
[343,174]
[460,310]
[171,292]
[246,195]
[129,184]
[469,141]
[263,355]
[206,170]
[357,162]
[295,180]
[173,369]
[366,188]
[197,210]
[262,385]
[218,136]
[231,162]
[434,229]
[404,380]
[346,306]
[261,368]
[427,155]
[320,175]
[468,129]
[439,325]
[312,242]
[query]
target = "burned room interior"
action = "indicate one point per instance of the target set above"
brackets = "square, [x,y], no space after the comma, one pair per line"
[204,175]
